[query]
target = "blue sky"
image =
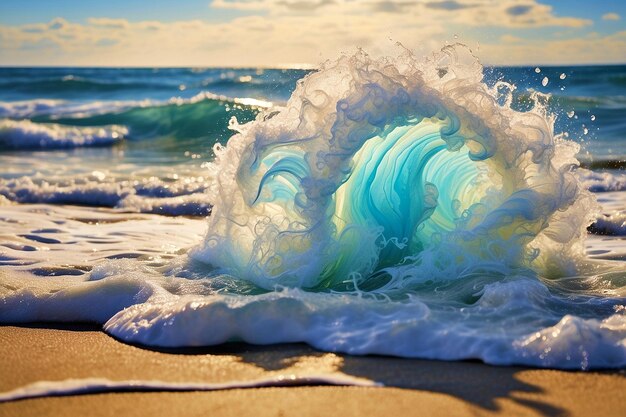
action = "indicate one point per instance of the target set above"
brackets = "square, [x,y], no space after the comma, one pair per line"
[36,11]
[304,32]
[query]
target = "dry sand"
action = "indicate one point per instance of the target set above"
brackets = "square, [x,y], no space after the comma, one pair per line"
[412,387]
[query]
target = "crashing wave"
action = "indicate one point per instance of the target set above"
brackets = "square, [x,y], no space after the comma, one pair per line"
[390,172]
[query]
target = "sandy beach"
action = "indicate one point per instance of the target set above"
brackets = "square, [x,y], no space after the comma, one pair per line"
[411,387]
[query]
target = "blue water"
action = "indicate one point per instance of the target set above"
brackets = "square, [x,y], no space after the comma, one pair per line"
[598,91]
[596,95]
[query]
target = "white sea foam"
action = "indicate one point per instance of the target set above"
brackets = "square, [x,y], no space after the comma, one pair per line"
[28,108]
[610,224]
[158,311]
[24,134]
[183,196]
[611,220]
[603,181]
[99,385]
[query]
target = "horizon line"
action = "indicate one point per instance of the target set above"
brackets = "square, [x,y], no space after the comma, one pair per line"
[302,67]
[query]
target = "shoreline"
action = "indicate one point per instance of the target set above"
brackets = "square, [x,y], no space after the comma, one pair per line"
[37,352]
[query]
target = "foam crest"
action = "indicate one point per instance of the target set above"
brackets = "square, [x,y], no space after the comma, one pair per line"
[24,134]
[182,196]
[604,181]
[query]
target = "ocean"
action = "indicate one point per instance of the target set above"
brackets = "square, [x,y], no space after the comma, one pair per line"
[426,208]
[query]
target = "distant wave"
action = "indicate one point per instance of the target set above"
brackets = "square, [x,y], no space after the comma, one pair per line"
[28,108]
[24,134]
[610,224]
[65,108]
[599,182]
[184,197]
[602,164]
[77,109]
[609,102]
[525,100]
[75,84]
[53,124]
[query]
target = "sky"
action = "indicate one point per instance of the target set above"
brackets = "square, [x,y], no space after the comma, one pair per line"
[303,33]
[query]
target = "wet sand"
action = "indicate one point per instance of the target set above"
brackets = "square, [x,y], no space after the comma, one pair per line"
[412,387]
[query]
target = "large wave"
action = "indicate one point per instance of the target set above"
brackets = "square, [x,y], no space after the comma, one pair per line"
[387,173]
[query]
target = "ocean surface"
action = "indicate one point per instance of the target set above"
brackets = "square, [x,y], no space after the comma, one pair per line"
[417,207]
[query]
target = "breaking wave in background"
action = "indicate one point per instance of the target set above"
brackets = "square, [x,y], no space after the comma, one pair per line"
[50,124]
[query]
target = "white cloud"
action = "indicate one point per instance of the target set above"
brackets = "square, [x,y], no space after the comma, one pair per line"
[245,41]
[286,5]
[611,16]
[511,39]
[109,23]
[497,13]
[593,48]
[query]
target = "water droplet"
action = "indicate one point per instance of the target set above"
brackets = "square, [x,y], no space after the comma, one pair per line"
[562,76]
[593,117]
[456,36]
[570,114]
[544,82]
[537,70]
[585,130]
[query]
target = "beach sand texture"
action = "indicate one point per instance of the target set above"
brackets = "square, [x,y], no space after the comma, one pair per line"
[412,387]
